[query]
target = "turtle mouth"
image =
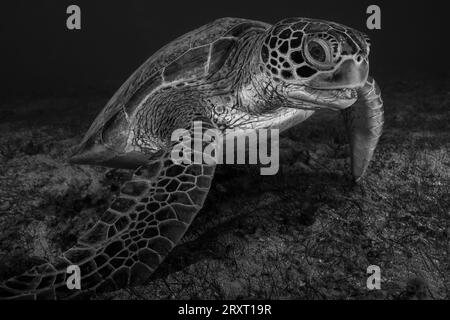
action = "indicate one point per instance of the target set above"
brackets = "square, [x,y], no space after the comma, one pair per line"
[340,93]
[333,98]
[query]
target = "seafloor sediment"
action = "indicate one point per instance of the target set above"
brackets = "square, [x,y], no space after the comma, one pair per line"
[304,233]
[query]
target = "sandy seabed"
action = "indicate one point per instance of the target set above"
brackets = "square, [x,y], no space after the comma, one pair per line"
[305,233]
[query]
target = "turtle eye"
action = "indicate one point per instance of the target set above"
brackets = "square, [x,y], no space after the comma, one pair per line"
[319,53]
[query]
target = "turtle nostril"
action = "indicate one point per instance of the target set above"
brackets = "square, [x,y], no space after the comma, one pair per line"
[359,58]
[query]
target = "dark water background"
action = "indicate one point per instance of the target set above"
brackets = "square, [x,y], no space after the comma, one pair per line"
[41,56]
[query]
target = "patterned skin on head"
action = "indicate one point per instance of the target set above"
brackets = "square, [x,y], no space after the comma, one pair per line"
[316,61]
[297,49]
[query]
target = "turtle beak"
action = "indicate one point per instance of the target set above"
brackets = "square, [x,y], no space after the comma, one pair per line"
[350,74]
[335,90]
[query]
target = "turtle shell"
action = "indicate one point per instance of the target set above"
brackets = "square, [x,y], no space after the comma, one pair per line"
[191,56]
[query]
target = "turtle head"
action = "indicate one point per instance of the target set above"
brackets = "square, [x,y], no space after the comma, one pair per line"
[316,63]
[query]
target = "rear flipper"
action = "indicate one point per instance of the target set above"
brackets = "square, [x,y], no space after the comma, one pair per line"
[364,122]
[132,238]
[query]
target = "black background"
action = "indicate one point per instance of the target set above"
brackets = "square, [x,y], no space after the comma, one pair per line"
[40,55]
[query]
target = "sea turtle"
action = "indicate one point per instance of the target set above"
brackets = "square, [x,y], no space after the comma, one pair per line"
[233,74]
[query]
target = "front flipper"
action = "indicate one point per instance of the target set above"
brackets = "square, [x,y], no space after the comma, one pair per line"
[132,238]
[364,122]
